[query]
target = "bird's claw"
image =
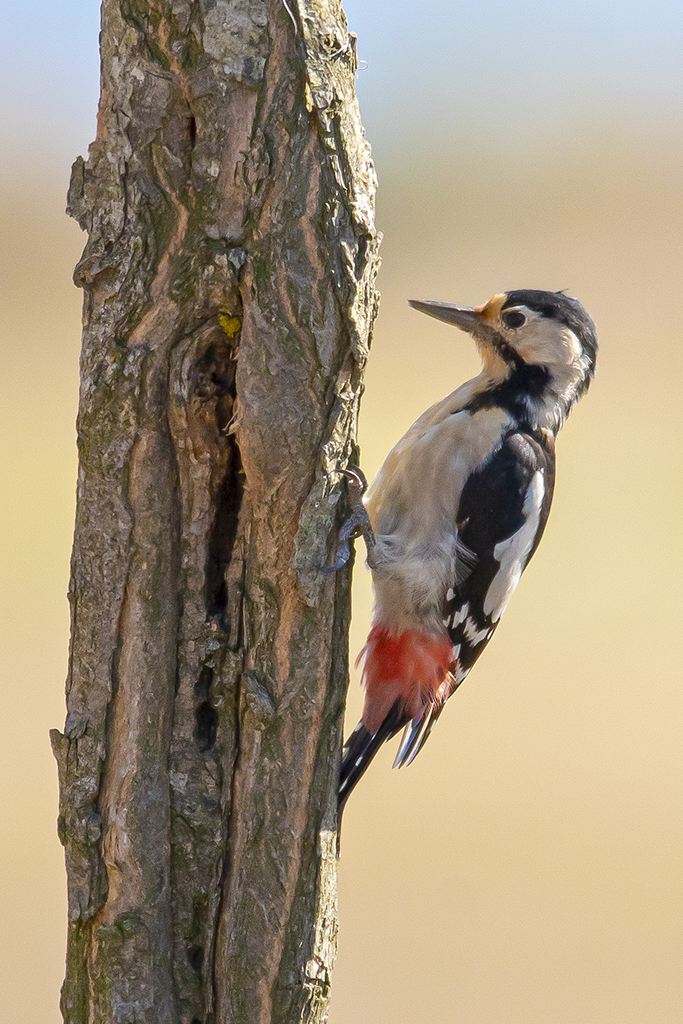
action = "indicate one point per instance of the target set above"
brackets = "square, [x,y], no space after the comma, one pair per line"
[358,523]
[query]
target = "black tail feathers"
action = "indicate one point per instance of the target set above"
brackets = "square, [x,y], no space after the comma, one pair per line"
[361,747]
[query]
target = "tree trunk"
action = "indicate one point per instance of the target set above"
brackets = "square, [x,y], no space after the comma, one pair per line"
[229,299]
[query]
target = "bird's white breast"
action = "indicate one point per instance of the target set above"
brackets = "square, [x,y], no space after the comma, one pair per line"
[413,504]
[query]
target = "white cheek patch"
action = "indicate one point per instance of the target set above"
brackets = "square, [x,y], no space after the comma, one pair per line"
[513,552]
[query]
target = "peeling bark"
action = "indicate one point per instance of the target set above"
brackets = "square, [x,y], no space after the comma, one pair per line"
[229,299]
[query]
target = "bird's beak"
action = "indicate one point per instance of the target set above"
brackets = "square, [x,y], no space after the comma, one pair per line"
[466,318]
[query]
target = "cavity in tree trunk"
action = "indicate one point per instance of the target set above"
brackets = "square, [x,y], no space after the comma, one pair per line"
[229,299]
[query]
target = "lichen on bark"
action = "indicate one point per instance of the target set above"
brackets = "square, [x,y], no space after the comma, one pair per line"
[229,297]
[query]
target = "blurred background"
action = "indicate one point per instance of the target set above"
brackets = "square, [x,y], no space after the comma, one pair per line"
[528,868]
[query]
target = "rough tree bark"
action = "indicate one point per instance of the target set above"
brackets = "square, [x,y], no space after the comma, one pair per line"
[229,299]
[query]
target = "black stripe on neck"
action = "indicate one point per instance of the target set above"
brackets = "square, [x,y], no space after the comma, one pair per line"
[525,381]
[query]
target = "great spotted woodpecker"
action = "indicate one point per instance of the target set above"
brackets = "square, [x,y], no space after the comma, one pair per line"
[458,509]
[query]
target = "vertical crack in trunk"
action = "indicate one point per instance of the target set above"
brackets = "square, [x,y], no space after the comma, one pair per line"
[223,536]
[204,743]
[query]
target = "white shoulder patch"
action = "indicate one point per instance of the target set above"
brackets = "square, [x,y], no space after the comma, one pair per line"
[513,551]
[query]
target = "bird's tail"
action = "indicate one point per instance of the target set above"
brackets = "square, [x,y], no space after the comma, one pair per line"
[361,747]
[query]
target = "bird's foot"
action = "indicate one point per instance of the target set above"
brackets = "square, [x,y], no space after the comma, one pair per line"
[358,523]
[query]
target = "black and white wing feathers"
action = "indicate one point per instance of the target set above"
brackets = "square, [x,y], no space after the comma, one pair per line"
[502,513]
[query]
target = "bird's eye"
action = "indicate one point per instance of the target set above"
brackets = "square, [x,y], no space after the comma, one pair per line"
[514,319]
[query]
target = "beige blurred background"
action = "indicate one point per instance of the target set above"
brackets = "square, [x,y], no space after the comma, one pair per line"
[528,868]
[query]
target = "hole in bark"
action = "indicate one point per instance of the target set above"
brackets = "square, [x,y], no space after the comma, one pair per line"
[206,719]
[196,957]
[192,131]
[213,383]
[223,537]
[204,681]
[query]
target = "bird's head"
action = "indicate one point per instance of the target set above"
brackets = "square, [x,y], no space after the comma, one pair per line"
[541,346]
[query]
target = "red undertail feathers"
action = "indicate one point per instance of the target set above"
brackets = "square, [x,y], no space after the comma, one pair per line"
[408,677]
[412,669]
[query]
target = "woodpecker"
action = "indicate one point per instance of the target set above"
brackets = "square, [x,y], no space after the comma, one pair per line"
[458,509]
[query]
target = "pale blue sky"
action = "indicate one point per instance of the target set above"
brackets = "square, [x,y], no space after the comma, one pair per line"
[490,65]
[502,70]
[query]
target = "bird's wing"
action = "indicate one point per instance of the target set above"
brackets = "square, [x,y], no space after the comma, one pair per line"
[503,510]
[502,513]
